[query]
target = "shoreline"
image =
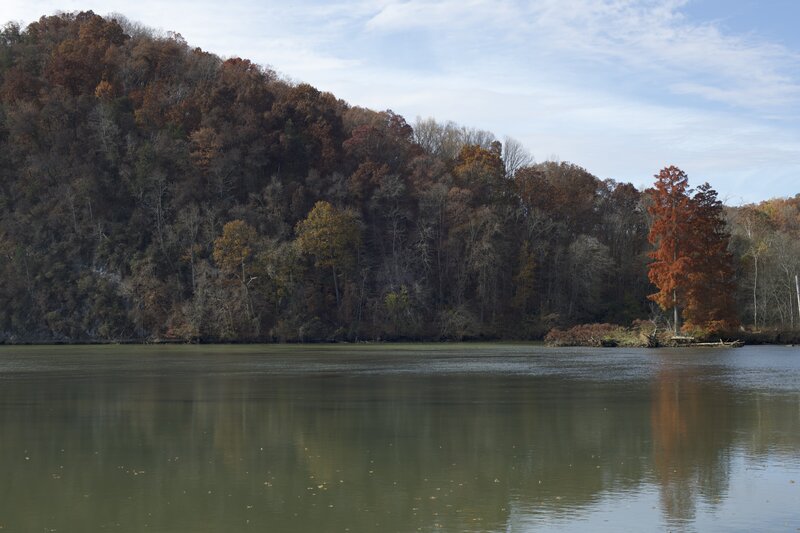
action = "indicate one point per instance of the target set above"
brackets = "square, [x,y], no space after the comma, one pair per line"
[737,343]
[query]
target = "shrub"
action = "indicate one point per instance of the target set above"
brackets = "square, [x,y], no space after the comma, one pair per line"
[595,335]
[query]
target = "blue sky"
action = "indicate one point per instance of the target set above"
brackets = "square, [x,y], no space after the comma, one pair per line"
[621,87]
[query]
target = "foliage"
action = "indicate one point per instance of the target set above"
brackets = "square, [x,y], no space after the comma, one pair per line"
[234,248]
[330,235]
[641,333]
[150,190]
[595,335]
[710,284]
[670,233]
[692,267]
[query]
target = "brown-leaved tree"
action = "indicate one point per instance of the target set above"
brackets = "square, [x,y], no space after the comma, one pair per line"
[670,232]
[692,266]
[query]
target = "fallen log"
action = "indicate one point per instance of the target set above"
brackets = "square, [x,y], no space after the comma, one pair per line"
[720,344]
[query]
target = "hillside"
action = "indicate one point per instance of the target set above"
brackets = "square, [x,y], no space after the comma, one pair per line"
[151,190]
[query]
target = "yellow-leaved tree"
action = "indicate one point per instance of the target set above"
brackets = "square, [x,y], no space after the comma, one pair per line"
[332,236]
[234,248]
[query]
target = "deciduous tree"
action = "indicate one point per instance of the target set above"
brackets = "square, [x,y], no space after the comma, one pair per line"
[710,283]
[670,233]
[332,236]
[692,266]
[234,248]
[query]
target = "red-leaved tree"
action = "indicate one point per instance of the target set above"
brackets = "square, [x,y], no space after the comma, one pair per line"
[711,285]
[670,232]
[692,267]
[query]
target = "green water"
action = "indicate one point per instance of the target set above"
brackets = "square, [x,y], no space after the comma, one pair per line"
[398,438]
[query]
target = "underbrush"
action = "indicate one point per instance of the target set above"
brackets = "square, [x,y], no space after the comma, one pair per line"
[770,337]
[599,335]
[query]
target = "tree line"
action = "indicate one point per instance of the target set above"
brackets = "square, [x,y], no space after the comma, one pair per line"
[151,190]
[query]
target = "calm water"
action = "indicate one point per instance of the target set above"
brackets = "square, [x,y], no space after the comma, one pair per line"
[398,438]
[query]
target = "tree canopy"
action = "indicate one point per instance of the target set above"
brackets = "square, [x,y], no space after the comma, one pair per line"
[151,190]
[692,267]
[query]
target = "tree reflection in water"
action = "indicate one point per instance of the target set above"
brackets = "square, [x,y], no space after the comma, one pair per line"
[692,439]
[214,451]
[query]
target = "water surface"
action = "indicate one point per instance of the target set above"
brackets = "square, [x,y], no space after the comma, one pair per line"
[444,437]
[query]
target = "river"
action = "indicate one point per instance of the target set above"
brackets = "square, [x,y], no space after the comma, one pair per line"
[427,437]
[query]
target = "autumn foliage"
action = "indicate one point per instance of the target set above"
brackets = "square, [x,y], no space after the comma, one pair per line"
[152,190]
[692,267]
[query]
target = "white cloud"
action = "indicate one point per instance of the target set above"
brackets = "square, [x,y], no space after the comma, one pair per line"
[737,69]
[445,14]
[643,35]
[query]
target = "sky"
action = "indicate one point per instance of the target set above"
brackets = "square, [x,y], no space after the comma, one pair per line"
[622,88]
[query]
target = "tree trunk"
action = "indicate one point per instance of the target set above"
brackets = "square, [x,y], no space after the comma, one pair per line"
[335,286]
[675,297]
[675,309]
[194,278]
[755,293]
[797,289]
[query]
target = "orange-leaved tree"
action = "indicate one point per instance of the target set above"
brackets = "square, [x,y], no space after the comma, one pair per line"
[692,267]
[480,170]
[670,232]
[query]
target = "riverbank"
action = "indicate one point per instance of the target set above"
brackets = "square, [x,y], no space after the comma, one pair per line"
[645,335]
[639,334]
[618,337]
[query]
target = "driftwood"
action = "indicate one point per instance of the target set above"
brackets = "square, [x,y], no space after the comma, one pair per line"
[726,344]
[689,341]
[651,339]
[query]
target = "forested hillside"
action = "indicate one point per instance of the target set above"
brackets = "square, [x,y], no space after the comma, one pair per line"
[151,190]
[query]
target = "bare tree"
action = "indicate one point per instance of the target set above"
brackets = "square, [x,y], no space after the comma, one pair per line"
[446,140]
[515,156]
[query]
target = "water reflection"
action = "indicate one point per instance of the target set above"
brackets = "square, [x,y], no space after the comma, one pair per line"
[165,450]
[692,427]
